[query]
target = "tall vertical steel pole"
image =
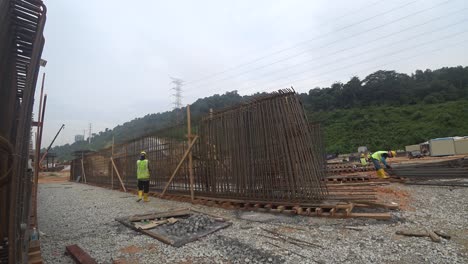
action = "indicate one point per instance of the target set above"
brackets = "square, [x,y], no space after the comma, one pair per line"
[190,163]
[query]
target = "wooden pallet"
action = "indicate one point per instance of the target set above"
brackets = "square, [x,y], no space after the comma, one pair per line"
[333,169]
[348,178]
[333,179]
[340,204]
[329,208]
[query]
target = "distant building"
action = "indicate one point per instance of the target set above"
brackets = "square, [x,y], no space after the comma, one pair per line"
[79,138]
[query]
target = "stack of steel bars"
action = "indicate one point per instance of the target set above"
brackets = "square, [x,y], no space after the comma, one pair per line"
[420,172]
[262,150]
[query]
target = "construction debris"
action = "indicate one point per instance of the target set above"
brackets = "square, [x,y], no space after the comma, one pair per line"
[79,255]
[433,235]
[290,239]
[448,169]
[177,227]
[151,216]
[153,224]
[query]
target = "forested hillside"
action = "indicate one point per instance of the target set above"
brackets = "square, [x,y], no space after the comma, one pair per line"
[384,110]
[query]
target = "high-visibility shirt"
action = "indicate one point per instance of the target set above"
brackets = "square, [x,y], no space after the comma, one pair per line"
[142,170]
[378,155]
[363,161]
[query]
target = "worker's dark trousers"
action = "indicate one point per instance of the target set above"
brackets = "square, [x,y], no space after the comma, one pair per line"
[143,185]
[376,164]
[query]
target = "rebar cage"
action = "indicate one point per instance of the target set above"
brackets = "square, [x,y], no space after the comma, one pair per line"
[21,43]
[262,150]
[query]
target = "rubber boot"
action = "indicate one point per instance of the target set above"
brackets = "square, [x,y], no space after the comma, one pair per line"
[381,174]
[145,199]
[140,194]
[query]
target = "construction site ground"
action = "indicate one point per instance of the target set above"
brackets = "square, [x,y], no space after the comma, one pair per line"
[74,213]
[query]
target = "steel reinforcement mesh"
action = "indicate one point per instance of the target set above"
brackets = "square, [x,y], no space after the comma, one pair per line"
[263,150]
[21,42]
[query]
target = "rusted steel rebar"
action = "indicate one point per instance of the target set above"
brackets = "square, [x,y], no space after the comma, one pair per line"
[263,150]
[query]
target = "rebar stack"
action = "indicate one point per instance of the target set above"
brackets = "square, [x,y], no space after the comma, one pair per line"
[457,168]
[262,150]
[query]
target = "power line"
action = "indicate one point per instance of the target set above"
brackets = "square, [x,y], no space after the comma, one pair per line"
[375,67]
[333,42]
[341,60]
[379,38]
[303,42]
[399,60]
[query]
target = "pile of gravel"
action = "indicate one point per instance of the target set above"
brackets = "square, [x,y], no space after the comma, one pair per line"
[239,252]
[191,225]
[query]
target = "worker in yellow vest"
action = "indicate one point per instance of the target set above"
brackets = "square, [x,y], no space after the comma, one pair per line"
[143,176]
[381,156]
[364,158]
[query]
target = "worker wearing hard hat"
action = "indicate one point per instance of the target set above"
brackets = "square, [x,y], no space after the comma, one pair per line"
[381,156]
[143,176]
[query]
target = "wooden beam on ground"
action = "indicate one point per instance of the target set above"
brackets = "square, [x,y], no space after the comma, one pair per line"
[380,216]
[442,234]
[151,216]
[392,206]
[179,165]
[412,233]
[434,237]
[79,255]
[118,174]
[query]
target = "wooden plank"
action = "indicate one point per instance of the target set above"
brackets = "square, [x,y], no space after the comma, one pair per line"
[178,212]
[179,165]
[393,206]
[380,216]
[167,240]
[411,233]
[442,234]
[79,255]
[118,174]
[434,237]
[150,225]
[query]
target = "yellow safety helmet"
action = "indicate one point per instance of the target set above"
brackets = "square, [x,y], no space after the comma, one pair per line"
[392,153]
[143,153]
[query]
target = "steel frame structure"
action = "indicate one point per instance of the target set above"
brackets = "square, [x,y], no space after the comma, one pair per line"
[21,43]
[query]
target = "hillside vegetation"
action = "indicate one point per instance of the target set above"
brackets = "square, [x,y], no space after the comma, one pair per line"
[384,110]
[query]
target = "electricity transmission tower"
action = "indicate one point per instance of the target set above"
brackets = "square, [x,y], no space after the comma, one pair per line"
[177,97]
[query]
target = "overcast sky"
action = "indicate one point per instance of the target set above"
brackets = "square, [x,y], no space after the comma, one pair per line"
[110,61]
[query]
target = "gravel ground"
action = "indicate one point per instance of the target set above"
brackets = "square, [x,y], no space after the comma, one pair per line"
[72,213]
